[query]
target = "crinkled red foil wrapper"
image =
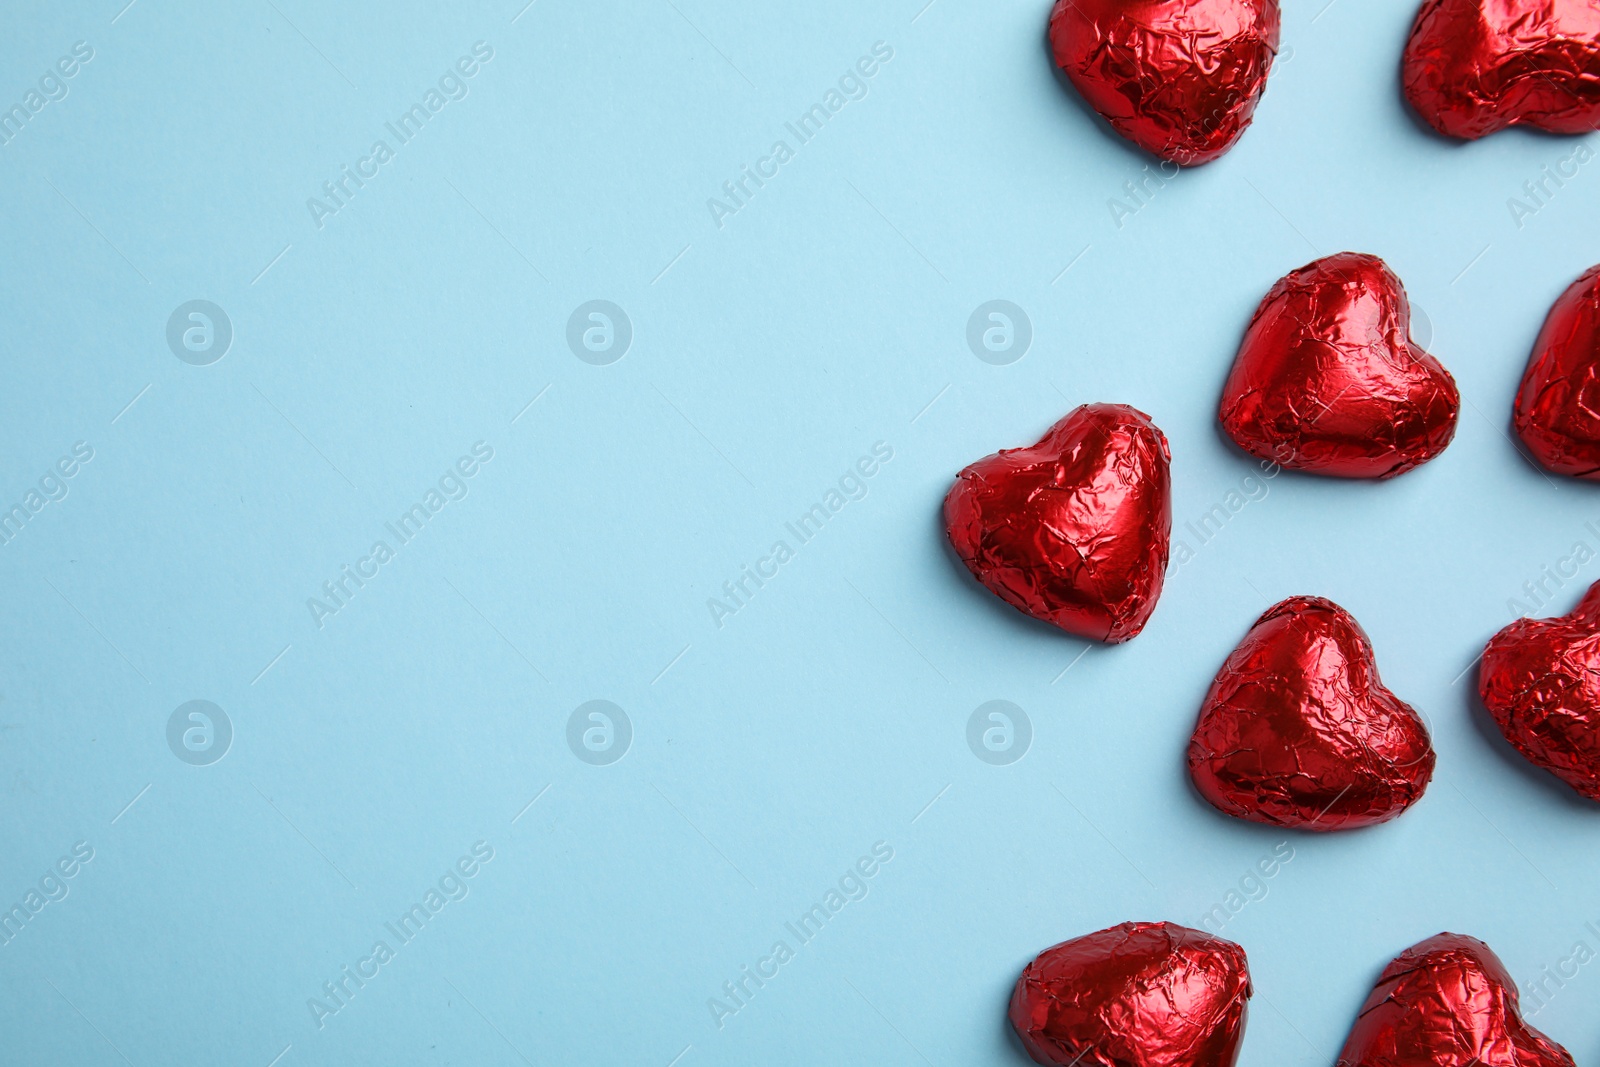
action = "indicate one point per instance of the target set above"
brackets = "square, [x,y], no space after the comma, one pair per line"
[1180,78]
[1557,411]
[1297,730]
[1472,67]
[1540,681]
[1447,1002]
[1073,530]
[1137,995]
[1328,380]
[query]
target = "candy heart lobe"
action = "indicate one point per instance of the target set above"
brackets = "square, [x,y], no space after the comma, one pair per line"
[1540,680]
[1328,380]
[1135,995]
[1075,529]
[1179,78]
[1297,730]
[1447,1002]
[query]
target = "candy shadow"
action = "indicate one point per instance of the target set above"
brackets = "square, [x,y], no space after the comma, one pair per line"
[1416,118]
[1290,474]
[1540,136]
[984,601]
[1101,126]
[1229,445]
[1411,113]
[1555,480]
[1269,831]
[1232,447]
[1192,721]
[1008,1036]
[1253,463]
[1257,829]
[1540,779]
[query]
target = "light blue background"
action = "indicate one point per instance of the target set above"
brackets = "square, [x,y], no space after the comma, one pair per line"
[767,356]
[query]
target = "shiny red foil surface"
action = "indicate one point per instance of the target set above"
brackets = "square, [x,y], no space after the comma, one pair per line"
[1298,730]
[1557,412]
[1178,78]
[1540,680]
[1472,67]
[1136,995]
[1328,380]
[1075,529]
[1447,1002]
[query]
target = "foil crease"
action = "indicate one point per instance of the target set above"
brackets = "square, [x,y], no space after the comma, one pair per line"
[1075,529]
[1298,730]
[1328,380]
[1472,67]
[1557,411]
[1179,78]
[1540,681]
[1136,995]
[1447,1002]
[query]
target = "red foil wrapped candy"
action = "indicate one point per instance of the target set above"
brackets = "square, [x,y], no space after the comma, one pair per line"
[1472,67]
[1136,995]
[1540,680]
[1557,413]
[1178,78]
[1298,730]
[1447,1002]
[1075,529]
[1329,381]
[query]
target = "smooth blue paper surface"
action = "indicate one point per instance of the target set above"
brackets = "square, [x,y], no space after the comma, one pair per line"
[402,347]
